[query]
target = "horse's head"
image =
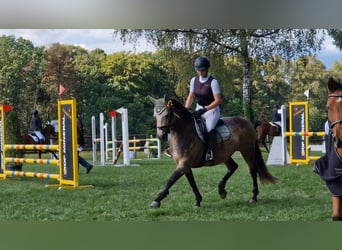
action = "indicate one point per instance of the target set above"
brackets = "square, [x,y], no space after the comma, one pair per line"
[49,130]
[334,106]
[168,112]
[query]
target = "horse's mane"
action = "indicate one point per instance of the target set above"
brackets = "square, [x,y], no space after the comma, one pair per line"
[178,107]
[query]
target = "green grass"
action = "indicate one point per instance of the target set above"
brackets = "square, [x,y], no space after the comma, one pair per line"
[124,194]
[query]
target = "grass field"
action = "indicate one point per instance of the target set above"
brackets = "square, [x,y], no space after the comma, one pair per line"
[124,194]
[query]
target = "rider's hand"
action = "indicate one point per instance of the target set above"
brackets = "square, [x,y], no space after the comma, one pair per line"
[199,112]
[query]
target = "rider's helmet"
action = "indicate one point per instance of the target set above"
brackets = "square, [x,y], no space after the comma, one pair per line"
[202,63]
[35,112]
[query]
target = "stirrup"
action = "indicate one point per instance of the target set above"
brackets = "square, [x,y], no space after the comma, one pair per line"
[209,156]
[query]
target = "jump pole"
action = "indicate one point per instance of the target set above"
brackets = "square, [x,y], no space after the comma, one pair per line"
[67,147]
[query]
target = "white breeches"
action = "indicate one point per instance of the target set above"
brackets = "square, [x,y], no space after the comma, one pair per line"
[211,117]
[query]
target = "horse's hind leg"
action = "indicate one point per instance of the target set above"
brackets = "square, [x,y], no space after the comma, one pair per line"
[337,208]
[189,175]
[265,145]
[232,166]
[254,173]
[173,178]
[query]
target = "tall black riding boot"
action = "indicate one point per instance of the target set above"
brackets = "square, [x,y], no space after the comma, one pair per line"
[211,143]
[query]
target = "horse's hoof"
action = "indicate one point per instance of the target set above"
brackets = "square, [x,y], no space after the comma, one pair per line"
[155,204]
[223,194]
[252,201]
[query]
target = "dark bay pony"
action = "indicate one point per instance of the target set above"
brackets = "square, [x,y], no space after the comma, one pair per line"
[188,149]
[48,131]
[334,106]
[265,129]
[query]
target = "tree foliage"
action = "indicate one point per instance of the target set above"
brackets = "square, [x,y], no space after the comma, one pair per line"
[243,43]
[267,66]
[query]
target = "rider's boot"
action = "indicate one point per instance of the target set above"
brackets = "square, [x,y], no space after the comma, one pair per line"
[211,143]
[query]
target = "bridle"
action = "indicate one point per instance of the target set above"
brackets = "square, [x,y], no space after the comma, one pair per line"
[338,141]
[161,109]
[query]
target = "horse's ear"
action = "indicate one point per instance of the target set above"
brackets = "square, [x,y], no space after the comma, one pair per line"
[333,85]
[152,99]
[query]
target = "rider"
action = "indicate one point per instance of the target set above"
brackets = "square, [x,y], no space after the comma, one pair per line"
[276,117]
[206,89]
[36,126]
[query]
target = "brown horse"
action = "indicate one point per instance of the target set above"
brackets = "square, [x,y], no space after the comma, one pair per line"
[188,149]
[48,131]
[265,129]
[334,106]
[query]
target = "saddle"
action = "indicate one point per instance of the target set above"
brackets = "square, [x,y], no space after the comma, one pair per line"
[221,130]
[277,127]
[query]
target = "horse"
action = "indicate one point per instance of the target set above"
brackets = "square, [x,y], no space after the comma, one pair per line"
[334,106]
[264,129]
[48,131]
[188,149]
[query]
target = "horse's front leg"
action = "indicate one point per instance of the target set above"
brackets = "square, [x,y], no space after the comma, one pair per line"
[337,208]
[173,178]
[191,179]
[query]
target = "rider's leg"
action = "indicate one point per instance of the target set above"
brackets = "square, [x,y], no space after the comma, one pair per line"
[211,143]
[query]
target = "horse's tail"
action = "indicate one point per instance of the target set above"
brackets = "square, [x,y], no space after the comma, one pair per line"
[264,175]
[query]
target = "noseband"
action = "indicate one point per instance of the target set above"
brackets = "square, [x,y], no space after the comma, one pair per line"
[338,141]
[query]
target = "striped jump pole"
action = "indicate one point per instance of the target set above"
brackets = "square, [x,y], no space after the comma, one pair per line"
[31,161]
[143,147]
[32,174]
[305,133]
[31,147]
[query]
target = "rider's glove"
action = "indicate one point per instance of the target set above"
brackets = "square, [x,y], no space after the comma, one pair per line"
[199,112]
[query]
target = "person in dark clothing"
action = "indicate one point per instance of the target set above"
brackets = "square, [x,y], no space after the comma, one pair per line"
[329,167]
[80,145]
[206,90]
[36,126]
[276,118]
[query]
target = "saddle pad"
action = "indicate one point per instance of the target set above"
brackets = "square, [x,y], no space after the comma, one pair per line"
[222,133]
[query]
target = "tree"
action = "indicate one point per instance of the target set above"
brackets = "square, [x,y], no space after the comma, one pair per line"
[61,70]
[308,73]
[131,79]
[270,86]
[244,43]
[21,69]
[336,34]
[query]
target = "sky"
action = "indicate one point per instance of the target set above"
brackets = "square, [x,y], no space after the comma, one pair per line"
[90,39]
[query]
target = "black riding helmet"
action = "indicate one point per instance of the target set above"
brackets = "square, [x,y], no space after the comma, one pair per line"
[34,112]
[202,63]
